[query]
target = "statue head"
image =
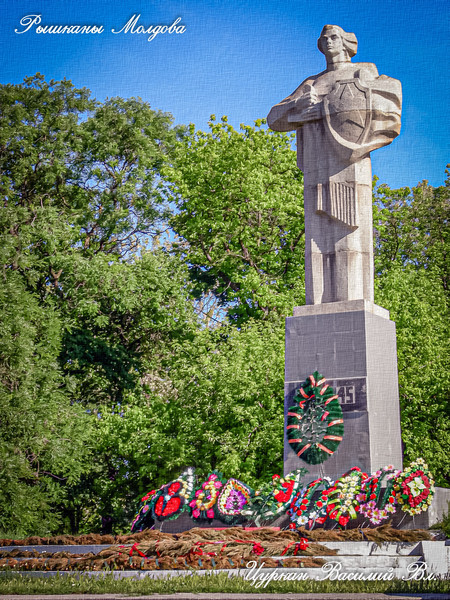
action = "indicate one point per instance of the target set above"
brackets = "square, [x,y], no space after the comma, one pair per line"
[334,40]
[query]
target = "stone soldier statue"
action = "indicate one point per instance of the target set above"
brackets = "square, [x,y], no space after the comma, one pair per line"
[340,115]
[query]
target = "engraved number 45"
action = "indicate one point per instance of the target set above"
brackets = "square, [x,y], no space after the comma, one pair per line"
[346,394]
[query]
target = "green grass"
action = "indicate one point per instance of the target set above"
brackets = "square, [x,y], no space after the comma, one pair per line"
[13,583]
[444,525]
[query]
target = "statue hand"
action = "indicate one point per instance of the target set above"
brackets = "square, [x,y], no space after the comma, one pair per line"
[307,107]
[308,98]
[312,113]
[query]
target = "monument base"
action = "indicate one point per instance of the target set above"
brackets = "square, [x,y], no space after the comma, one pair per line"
[353,345]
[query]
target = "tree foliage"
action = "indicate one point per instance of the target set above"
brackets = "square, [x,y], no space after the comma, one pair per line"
[240,218]
[77,176]
[417,305]
[412,228]
[217,403]
[45,440]
[412,245]
[79,184]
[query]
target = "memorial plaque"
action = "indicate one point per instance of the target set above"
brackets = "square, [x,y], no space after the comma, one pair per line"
[351,392]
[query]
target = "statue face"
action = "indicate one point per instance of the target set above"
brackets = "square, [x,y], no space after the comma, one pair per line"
[331,43]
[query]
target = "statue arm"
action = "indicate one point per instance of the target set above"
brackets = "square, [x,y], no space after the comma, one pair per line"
[387,109]
[277,119]
[286,116]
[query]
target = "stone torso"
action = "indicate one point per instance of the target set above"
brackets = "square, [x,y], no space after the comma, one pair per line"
[357,112]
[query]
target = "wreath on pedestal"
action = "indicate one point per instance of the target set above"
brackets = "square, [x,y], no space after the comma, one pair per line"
[375,496]
[315,424]
[144,518]
[166,503]
[272,499]
[303,510]
[342,498]
[374,506]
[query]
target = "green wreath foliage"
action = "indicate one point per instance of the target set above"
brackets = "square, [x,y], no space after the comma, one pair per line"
[315,424]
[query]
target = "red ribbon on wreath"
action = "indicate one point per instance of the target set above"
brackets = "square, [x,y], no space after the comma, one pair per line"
[301,545]
[257,548]
[133,548]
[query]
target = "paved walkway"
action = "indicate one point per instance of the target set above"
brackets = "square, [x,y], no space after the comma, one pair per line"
[256,596]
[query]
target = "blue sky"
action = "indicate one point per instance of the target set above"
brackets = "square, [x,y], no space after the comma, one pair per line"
[239,58]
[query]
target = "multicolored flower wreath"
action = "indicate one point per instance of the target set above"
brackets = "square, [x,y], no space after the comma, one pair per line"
[415,488]
[165,503]
[233,498]
[273,498]
[304,511]
[172,498]
[315,424]
[371,506]
[285,488]
[144,518]
[233,501]
[342,503]
[203,505]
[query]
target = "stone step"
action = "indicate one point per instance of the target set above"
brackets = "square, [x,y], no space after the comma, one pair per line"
[362,555]
[366,562]
[314,574]
[372,548]
[85,549]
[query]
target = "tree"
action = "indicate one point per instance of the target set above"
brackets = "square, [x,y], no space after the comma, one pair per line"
[41,432]
[129,315]
[411,250]
[116,314]
[412,228]
[78,178]
[79,183]
[117,175]
[417,305]
[45,439]
[239,217]
[217,403]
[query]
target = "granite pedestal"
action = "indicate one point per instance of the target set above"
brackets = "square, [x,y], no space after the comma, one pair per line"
[353,345]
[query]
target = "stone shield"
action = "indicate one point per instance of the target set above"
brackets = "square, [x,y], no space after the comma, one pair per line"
[348,112]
